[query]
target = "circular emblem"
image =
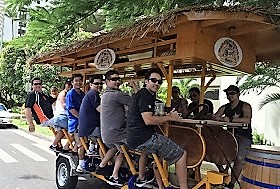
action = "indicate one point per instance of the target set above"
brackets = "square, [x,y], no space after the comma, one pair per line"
[104,59]
[228,52]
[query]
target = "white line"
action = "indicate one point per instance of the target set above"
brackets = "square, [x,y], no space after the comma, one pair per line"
[31,137]
[6,157]
[29,153]
[43,147]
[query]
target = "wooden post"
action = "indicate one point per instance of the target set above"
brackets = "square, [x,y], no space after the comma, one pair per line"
[83,141]
[161,171]
[68,138]
[169,78]
[130,164]
[169,84]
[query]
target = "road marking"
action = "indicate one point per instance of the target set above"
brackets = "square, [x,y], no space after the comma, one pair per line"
[31,137]
[43,147]
[29,153]
[6,157]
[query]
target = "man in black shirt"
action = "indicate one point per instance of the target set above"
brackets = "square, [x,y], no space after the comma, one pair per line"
[240,112]
[193,108]
[39,106]
[141,135]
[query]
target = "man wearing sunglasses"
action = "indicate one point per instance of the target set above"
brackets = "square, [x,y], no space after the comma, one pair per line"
[39,106]
[193,108]
[240,112]
[89,115]
[141,121]
[113,125]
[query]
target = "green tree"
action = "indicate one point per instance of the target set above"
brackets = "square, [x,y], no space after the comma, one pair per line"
[61,22]
[11,76]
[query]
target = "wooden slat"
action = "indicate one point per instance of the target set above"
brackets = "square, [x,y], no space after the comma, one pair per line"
[273,172]
[146,46]
[224,15]
[265,179]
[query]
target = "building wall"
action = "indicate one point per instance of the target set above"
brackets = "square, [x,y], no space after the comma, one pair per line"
[2,5]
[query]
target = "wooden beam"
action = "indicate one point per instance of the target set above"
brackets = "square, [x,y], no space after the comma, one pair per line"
[224,15]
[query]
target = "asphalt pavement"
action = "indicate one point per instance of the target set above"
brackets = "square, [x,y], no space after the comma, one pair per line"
[27,163]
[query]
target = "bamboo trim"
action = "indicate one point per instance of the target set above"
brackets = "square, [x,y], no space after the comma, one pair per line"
[161,171]
[130,164]
[68,138]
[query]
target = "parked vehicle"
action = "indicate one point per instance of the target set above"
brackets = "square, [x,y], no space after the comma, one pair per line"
[5,116]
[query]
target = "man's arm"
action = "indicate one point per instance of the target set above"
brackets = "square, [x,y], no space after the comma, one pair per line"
[29,119]
[124,98]
[98,108]
[61,99]
[70,105]
[151,119]
[134,85]
[218,115]
[74,112]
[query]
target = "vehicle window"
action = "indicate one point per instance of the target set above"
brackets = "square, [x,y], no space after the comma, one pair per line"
[2,108]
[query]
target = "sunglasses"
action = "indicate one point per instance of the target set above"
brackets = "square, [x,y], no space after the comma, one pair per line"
[115,79]
[98,83]
[154,80]
[37,84]
[194,95]
[231,93]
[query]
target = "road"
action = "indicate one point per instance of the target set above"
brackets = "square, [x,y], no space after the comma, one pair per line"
[27,163]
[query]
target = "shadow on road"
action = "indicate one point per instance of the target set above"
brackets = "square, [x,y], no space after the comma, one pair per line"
[8,127]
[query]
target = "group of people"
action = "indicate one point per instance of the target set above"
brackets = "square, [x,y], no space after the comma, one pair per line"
[191,110]
[234,111]
[120,119]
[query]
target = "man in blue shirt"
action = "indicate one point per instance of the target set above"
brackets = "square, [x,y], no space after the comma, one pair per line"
[74,99]
[89,120]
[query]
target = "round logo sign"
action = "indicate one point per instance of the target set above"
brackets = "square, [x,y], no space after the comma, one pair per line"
[228,52]
[104,59]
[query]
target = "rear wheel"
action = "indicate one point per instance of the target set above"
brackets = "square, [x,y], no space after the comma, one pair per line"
[63,178]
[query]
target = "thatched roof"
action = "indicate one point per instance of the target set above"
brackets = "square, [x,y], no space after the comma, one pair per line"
[158,24]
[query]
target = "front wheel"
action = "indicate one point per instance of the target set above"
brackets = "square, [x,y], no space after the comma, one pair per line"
[63,178]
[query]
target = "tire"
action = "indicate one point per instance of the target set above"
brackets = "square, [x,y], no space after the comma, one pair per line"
[63,178]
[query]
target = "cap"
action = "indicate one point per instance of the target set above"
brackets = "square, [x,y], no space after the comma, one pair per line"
[232,88]
[68,81]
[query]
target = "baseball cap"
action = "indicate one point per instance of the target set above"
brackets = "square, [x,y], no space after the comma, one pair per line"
[232,88]
[68,81]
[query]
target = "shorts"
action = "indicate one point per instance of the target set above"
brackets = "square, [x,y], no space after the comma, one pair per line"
[61,122]
[96,133]
[164,147]
[48,123]
[244,145]
[117,144]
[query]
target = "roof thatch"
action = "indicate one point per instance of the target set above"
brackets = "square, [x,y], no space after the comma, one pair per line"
[161,23]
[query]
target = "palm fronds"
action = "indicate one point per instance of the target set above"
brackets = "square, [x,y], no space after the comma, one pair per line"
[269,98]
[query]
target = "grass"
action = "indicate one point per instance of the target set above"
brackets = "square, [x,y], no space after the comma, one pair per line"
[21,123]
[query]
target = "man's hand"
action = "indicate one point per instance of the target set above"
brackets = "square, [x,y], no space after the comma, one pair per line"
[31,128]
[225,119]
[173,115]
[216,118]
